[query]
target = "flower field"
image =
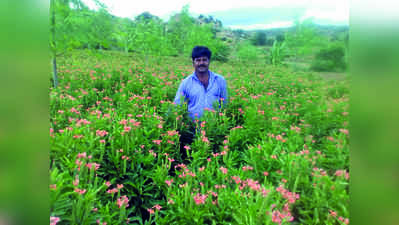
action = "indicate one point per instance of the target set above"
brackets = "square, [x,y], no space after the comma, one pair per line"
[278,153]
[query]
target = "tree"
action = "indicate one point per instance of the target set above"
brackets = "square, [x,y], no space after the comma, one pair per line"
[125,34]
[74,25]
[100,29]
[280,38]
[259,38]
[216,24]
[61,28]
[303,39]
[179,27]
[146,17]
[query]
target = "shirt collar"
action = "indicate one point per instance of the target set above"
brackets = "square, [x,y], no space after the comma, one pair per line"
[211,76]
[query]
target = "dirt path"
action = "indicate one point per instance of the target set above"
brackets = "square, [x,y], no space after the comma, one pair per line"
[333,75]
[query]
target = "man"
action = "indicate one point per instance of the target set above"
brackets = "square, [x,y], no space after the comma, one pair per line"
[202,88]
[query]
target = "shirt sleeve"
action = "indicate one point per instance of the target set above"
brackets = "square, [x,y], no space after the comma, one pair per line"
[180,93]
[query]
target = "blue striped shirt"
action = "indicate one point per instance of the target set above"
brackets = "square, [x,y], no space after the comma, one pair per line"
[199,98]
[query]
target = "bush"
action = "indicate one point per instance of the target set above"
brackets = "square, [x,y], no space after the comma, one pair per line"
[221,52]
[331,58]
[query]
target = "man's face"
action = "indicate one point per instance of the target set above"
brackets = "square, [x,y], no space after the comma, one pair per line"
[201,64]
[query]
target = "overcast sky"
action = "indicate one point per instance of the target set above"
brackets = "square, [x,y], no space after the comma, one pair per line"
[244,14]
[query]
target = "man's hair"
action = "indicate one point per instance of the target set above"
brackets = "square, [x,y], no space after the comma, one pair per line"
[200,51]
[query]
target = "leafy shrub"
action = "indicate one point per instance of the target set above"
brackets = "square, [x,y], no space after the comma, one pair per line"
[222,51]
[330,59]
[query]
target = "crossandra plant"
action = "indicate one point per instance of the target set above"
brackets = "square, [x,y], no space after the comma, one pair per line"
[277,153]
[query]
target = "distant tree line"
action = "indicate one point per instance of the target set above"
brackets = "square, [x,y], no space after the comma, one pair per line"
[74,26]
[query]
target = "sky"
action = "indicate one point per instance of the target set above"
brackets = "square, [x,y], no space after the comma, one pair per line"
[239,14]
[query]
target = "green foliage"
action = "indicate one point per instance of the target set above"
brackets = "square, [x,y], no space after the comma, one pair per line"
[125,34]
[337,90]
[277,53]
[73,26]
[259,38]
[331,58]
[278,151]
[146,17]
[148,39]
[303,39]
[99,28]
[216,24]
[220,50]
[280,38]
[245,52]
[178,29]
[183,34]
